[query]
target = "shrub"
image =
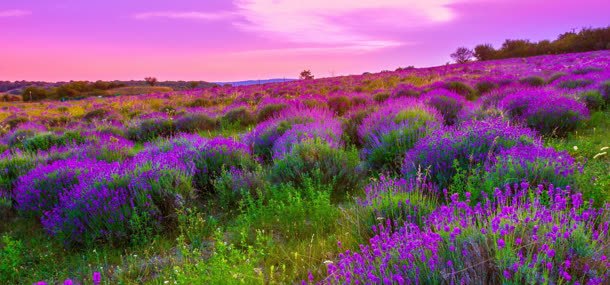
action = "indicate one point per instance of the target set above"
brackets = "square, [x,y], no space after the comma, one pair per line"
[117,207]
[574,83]
[39,190]
[200,102]
[269,111]
[449,104]
[329,131]
[150,129]
[352,123]
[234,184]
[218,154]
[238,116]
[262,137]
[45,141]
[594,100]
[392,130]
[95,114]
[534,164]
[339,104]
[405,90]
[340,169]
[381,97]
[605,90]
[13,167]
[462,89]
[534,81]
[545,112]
[485,86]
[466,146]
[398,201]
[13,256]
[192,123]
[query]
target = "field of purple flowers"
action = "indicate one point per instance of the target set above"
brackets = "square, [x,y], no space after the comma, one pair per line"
[490,172]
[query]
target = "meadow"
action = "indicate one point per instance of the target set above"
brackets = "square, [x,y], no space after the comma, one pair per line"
[493,172]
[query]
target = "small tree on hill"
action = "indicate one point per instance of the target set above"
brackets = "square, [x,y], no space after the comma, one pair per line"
[193,84]
[462,55]
[484,52]
[151,80]
[306,75]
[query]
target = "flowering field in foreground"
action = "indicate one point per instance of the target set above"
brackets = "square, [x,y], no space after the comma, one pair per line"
[489,172]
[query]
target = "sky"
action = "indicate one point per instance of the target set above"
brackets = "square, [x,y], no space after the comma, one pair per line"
[232,40]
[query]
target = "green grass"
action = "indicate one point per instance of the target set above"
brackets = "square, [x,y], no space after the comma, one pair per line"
[585,145]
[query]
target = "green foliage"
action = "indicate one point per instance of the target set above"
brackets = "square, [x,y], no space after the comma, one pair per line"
[289,213]
[587,39]
[338,168]
[351,124]
[142,228]
[192,123]
[594,100]
[462,89]
[485,86]
[588,145]
[211,163]
[12,168]
[151,129]
[534,81]
[576,83]
[45,141]
[268,111]
[200,102]
[233,185]
[238,116]
[194,227]
[381,97]
[12,259]
[339,104]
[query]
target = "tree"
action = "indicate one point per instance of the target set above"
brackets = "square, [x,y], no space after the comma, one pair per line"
[151,80]
[462,55]
[193,84]
[34,93]
[306,75]
[484,52]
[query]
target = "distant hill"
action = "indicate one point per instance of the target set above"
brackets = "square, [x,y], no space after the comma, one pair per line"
[255,82]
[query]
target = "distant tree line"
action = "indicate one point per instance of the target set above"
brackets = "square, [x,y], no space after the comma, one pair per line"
[70,90]
[38,90]
[587,39]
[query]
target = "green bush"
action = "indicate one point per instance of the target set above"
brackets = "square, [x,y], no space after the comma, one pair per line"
[11,169]
[381,97]
[151,129]
[12,255]
[234,184]
[200,102]
[269,111]
[485,86]
[238,116]
[576,83]
[339,104]
[45,141]
[534,81]
[594,100]
[192,123]
[338,168]
[462,89]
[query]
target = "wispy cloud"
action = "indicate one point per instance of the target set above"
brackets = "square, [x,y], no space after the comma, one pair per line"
[185,15]
[14,13]
[336,22]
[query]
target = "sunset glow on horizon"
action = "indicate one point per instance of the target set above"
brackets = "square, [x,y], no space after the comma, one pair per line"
[257,39]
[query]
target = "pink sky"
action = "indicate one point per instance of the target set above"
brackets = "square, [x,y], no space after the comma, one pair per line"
[256,39]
